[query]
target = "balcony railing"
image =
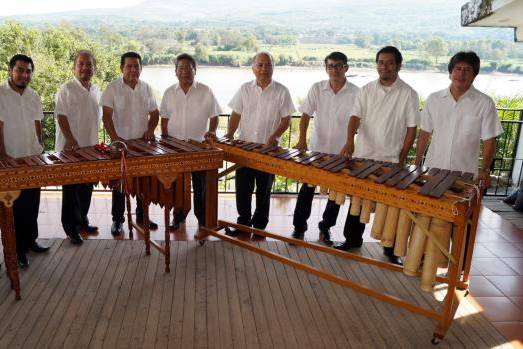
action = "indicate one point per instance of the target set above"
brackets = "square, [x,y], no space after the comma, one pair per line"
[507,167]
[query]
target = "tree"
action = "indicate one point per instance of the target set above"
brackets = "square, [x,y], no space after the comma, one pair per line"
[436,48]
[201,53]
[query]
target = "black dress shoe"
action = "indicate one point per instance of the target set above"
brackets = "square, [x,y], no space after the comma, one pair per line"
[90,229]
[232,232]
[23,262]
[325,237]
[76,238]
[297,235]
[117,228]
[152,225]
[36,247]
[347,246]
[389,252]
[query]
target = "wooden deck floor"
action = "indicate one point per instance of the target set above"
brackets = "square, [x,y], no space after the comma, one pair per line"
[108,293]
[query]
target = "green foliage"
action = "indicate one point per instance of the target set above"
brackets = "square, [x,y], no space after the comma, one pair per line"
[53,49]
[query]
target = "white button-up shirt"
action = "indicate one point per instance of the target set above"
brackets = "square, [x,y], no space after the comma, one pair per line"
[458,127]
[261,110]
[82,109]
[131,107]
[331,115]
[189,113]
[18,113]
[385,113]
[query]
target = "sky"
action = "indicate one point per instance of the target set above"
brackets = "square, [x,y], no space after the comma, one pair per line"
[9,8]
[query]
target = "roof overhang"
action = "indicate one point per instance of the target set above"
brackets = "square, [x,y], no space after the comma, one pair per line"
[494,13]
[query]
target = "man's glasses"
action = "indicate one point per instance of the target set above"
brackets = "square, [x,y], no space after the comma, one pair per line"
[335,66]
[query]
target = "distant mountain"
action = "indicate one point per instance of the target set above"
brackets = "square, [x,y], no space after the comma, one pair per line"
[405,17]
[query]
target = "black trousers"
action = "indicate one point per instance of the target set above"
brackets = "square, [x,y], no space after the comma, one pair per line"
[246,179]
[353,229]
[198,185]
[302,211]
[118,207]
[76,200]
[25,212]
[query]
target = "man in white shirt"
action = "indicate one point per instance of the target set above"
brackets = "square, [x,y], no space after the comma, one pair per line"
[385,115]
[331,102]
[21,135]
[78,115]
[456,120]
[189,110]
[129,112]
[262,109]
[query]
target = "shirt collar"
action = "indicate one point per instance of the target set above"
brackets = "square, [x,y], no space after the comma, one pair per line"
[469,94]
[8,87]
[123,84]
[255,85]
[194,86]
[326,86]
[82,86]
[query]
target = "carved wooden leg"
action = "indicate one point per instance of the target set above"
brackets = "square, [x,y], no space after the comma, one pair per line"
[211,199]
[453,296]
[471,240]
[166,211]
[9,239]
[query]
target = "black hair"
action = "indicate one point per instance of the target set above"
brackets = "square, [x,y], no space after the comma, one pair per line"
[470,57]
[130,54]
[391,49]
[336,56]
[186,56]
[23,58]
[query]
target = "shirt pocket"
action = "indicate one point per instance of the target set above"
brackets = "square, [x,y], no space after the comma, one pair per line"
[470,124]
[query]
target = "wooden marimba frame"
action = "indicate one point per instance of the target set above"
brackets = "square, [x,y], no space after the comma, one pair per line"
[391,184]
[162,161]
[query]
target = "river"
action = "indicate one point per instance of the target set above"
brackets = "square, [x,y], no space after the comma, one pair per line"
[224,81]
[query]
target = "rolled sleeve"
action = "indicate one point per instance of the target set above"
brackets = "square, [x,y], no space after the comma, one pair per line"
[107,99]
[357,108]
[490,124]
[426,119]
[165,110]
[413,115]
[236,103]
[61,103]
[152,105]
[216,109]
[287,106]
[309,105]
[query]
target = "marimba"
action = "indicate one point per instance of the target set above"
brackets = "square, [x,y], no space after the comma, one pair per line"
[442,195]
[162,161]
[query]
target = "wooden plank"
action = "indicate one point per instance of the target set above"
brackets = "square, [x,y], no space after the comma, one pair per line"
[433,182]
[86,155]
[211,287]
[287,275]
[70,155]
[328,324]
[178,305]
[341,161]
[370,170]
[143,147]
[97,154]
[61,157]
[110,321]
[257,309]
[159,333]
[77,300]
[445,185]
[46,160]
[34,300]
[306,156]
[292,154]
[200,302]
[356,167]
[224,312]
[467,176]
[268,149]
[314,158]
[52,315]
[330,159]
[385,177]
[102,293]
[235,312]
[359,324]
[184,145]
[400,175]
[411,178]
[284,300]
[128,330]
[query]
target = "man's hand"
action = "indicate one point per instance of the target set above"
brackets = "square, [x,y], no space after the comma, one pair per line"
[229,136]
[210,136]
[148,135]
[347,150]
[117,139]
[484,179]
[71,144]
[301,145]
[272,140]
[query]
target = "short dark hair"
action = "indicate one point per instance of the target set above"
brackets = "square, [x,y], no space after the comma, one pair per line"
[336,56]
[391,49]
[23,58]
[130,54]
[186,56]
[470,57]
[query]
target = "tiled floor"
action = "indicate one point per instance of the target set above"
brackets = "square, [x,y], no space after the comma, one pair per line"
[497,268]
